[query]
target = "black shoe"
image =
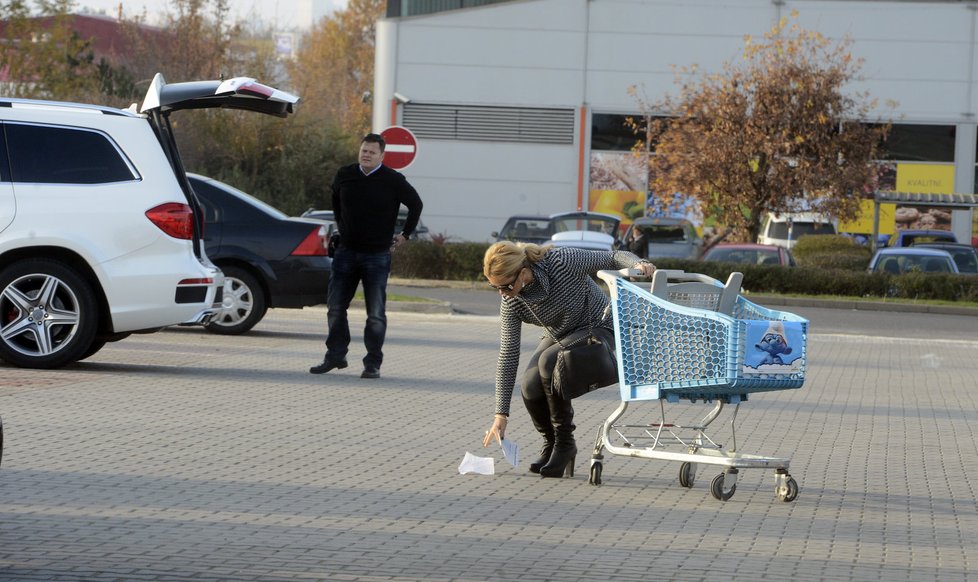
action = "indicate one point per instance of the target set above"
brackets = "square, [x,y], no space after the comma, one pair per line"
[370,372]
[326,366]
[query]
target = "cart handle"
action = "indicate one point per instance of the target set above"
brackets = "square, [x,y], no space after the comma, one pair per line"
[608,275]
[671,275]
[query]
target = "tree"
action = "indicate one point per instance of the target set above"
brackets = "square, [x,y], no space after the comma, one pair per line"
[44,57]
[334,68]
[196,41]
[779,133]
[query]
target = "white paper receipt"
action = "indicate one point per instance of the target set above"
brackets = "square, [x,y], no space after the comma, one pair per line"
[474,464]
[511,451]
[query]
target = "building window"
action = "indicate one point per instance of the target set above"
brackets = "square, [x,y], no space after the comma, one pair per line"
[614,132]
[920,143]
[397,8]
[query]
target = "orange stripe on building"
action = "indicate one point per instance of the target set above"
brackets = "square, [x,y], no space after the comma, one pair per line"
[580,160]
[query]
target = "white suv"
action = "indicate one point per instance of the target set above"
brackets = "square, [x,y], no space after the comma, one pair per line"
[100,234]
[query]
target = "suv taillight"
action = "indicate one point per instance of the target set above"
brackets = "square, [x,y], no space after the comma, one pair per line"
[173,218]
[314,245]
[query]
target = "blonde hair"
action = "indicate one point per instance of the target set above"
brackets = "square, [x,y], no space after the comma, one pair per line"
[505,258]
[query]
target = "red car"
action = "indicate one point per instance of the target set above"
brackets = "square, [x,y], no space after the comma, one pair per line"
[750,254]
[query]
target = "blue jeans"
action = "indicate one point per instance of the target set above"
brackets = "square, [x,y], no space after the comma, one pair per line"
[350,268]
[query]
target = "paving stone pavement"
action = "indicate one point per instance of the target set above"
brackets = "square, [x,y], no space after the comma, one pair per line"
[183,455]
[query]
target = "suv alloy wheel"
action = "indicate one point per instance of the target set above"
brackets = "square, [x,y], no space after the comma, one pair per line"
[48,313]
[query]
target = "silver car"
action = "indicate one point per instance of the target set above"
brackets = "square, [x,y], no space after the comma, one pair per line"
[663,237]
[585,230]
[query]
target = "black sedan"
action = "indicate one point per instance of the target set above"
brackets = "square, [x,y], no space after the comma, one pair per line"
[268,258]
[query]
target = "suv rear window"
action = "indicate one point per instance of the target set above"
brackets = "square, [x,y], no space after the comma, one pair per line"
[63,155]
[800,229]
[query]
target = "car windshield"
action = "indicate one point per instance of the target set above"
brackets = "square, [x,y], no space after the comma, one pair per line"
[748,256]
[965,259]
[907,263]
[800,229]
[927,238]
[591,224]
[523,228]
[665,234]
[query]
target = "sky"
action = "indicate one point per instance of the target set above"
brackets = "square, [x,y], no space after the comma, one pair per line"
[281,13]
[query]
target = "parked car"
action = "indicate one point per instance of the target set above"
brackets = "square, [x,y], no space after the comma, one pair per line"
[785,229]
[99,229]
[964,256]
[750,254]
[585,230]
[421,231]
[906,238]
[899,260]
[667,237]
[526,228]
[268,258]
[325,216]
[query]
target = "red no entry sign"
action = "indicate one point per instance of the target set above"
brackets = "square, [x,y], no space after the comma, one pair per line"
[402,147]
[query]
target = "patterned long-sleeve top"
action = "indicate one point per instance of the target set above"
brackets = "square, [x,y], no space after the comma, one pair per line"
[561,282]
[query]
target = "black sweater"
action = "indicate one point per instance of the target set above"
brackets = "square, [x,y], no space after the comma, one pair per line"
[366,207]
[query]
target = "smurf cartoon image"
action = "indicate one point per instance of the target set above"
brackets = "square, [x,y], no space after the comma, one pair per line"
[773,344]
[770,347]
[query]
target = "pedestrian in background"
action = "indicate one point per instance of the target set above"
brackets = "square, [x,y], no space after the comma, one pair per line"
[367,197]
[551,287]
[638,243]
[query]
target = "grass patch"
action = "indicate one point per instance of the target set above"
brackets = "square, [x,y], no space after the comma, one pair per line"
[398,297]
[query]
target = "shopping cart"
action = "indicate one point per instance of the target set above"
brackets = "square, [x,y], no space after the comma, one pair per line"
[689,337]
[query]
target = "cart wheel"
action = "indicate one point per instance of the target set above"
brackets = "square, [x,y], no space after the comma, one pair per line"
[595,474]
[788,491]
[716,488]
[687,474]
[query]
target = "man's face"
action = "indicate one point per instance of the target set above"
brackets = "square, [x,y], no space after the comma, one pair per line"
[370,155]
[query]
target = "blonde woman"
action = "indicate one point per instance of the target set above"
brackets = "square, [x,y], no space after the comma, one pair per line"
[552,287]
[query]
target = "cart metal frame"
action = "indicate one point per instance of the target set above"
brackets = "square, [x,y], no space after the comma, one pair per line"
[712,320]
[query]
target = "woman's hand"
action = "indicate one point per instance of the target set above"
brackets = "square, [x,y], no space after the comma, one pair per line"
[646,267]
[497,431]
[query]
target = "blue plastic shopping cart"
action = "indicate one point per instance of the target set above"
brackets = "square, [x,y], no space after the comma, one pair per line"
[689,337]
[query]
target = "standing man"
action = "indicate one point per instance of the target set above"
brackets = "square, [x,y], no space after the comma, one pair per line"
[366,199]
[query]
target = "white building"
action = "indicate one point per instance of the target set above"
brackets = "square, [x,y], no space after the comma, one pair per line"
[518,104]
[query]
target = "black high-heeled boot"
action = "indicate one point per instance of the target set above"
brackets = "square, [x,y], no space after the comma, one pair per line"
[540,415]
[565,449]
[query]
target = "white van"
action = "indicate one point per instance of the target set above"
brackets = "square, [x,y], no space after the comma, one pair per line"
[784,230]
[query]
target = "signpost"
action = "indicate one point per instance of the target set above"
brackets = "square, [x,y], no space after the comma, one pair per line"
[402,147]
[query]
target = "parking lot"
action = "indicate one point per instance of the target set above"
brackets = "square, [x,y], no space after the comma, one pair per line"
[187,455]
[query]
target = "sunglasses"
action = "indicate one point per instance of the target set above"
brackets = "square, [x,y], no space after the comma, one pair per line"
[509,286]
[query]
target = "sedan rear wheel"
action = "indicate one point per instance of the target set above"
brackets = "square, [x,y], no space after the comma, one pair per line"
[48,314]
[243,306]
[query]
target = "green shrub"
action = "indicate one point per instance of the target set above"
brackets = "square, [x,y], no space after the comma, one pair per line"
[449,261]
[463,262]
[831,251]
[418,260]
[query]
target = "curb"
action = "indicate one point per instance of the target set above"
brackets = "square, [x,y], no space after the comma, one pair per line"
[428,283]
[411,306]
[768,300]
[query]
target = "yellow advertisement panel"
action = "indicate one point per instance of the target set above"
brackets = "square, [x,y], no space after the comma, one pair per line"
[906,177]
[628,204]
[925,178]
[863,223]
